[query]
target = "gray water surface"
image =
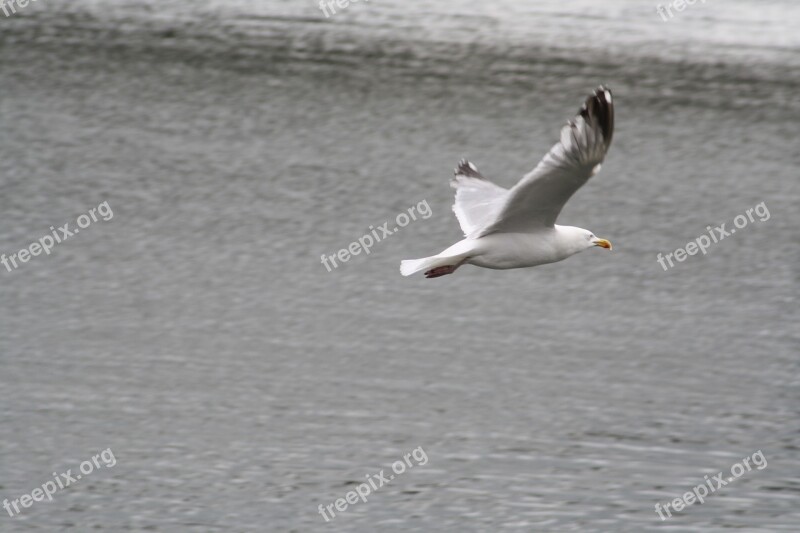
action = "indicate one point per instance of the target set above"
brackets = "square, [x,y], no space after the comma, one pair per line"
[240,384]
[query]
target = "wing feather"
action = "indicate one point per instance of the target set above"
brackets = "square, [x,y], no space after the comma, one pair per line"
[478,200]
[538,198]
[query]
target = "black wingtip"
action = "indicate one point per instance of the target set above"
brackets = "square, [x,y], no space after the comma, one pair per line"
[465,168]
[599,107]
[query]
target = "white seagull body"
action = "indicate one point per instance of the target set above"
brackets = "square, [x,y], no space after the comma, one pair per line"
[515,228]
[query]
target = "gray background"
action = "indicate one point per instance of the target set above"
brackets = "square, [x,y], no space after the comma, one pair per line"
[240,385]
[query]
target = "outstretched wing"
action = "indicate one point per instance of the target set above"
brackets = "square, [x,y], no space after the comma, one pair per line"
[540,195]
[478,200]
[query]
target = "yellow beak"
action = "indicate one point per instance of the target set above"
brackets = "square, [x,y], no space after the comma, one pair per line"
[602,243]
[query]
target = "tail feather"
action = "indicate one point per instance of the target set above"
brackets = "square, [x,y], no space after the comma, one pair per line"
[412,266]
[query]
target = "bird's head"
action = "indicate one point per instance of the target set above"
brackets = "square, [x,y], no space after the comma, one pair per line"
[576,239]
[592,240]
[581,239]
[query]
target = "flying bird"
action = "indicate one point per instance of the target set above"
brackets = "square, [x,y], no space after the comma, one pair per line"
[515,228]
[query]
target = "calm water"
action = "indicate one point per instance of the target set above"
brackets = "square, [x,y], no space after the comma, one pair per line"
[240,385]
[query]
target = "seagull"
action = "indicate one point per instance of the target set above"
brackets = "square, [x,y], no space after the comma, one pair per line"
[515,228]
